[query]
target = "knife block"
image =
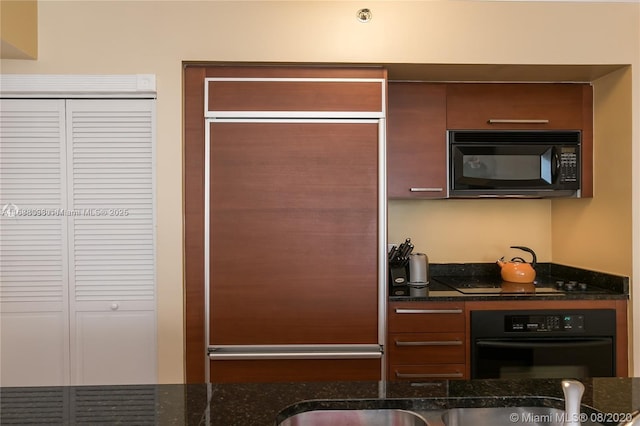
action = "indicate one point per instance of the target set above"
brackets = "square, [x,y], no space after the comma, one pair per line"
[398,275]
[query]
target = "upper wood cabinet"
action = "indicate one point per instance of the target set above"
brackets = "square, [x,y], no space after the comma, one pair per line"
[416,140]
[516,106]
[294,95]
[294,92]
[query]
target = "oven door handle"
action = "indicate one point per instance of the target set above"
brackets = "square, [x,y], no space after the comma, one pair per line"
[595,341]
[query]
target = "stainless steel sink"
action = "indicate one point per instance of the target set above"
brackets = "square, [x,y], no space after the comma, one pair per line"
[436,414]
[384,417]
[492,416]
[481,416]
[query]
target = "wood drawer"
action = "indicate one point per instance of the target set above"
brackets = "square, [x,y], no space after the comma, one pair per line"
[294,370]
[426,348]
[416,373]
[406,317]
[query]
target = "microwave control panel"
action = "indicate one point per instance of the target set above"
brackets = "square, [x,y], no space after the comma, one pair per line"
[544,323]
[568,164]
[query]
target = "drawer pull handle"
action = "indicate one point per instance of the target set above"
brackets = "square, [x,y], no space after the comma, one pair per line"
[516,121]
[426,189]
[426,375]
[428,311]
[430,343]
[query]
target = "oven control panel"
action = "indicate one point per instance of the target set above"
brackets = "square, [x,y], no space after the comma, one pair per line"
[543,323]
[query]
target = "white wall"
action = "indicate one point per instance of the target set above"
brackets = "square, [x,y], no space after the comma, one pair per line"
[154,37]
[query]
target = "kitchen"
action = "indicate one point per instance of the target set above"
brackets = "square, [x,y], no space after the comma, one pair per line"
[338,37]
[260,333]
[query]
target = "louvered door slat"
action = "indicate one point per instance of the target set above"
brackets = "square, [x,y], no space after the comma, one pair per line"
[112,185]
[34,406]
[115,405]
[32,173]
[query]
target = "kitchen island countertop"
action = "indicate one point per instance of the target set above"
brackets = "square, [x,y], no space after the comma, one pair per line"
[262,404]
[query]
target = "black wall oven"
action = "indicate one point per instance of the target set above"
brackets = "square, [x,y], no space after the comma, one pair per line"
[543,344]
[514,163]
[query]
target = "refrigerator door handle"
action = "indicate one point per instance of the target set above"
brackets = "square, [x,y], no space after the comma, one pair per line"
[265,352]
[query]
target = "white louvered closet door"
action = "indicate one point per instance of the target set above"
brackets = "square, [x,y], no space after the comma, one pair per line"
[77,249]
[111,239]
[34,323]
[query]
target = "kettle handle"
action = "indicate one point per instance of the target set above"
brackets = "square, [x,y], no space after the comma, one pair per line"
[528,250]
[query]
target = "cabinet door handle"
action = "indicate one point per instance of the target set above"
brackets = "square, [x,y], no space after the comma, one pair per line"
[428,311]
[516,121]
[426,189]
[426,375]
[430,343]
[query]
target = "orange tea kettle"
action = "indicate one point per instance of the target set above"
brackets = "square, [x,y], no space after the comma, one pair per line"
[517,270]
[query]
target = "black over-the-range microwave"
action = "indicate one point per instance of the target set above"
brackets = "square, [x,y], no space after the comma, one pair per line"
[511,163]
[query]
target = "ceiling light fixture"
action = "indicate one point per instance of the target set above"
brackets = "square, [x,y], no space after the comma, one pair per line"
[364,15]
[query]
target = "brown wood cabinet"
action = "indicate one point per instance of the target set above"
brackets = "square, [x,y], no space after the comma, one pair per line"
[426,341]
[526,106]
[295,370]
[294,96]
[416,140]
[479,106]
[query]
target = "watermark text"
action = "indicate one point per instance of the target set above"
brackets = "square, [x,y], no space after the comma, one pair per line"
[12,210]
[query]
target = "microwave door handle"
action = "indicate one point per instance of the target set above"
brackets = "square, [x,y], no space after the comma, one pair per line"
[555,169]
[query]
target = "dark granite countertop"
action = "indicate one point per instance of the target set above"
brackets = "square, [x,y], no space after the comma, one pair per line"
[256,404]
[613,287]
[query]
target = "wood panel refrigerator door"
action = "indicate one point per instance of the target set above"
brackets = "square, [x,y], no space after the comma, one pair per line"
[293,232]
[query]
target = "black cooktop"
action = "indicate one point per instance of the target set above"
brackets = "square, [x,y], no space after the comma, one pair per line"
[543,285]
